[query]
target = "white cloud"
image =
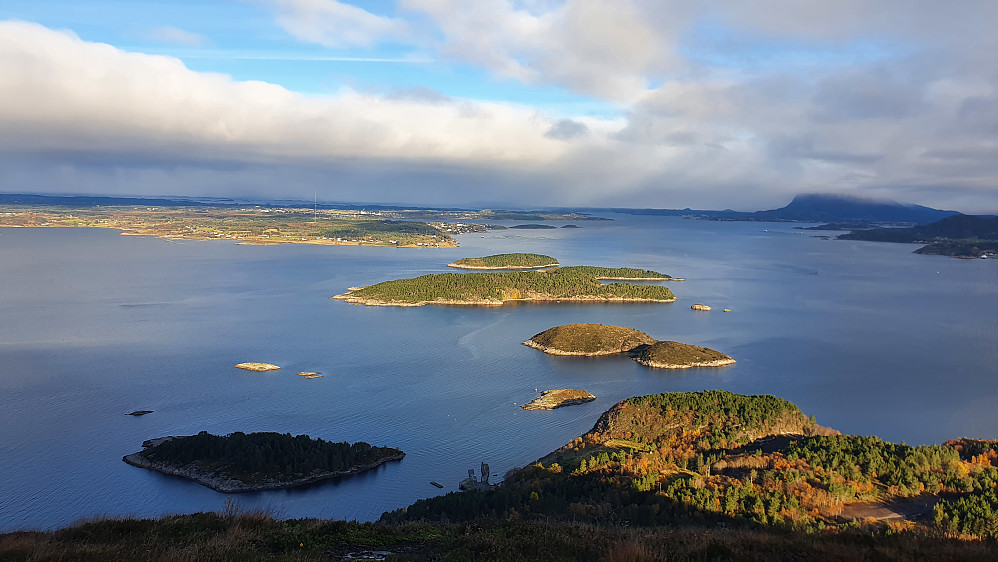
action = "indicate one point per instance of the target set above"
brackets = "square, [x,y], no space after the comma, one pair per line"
[920,125]
[596,47]
[335,24]
[64,93]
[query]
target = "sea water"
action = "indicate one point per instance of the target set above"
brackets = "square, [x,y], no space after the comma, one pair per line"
[867,337]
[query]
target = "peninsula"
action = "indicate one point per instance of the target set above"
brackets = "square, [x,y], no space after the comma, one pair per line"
[676,355]
[562,284]
[588,340]
[717,459]
[506,261]
[241,462]
[622,273]
[557,398]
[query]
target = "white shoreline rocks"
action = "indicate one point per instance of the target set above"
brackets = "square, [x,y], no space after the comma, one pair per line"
[657,365]
[502,268]
[558,398]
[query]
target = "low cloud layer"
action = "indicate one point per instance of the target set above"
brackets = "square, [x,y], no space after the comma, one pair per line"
[902,105]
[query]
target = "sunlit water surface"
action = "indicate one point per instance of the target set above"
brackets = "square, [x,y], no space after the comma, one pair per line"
[867,337]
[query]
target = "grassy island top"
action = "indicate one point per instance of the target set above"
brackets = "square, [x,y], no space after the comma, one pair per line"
[676,355]
[506,261]
[557,398]
[260,457]
[496,288]
[710,457]
[255,366]
[588,339]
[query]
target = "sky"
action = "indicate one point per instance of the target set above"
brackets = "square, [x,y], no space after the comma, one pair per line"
[708,104]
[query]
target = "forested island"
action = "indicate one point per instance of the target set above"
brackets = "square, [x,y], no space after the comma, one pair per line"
[571,284]
[533,226]
[249,462]
[715,457]
[588,340]
[677,355]
[506,261]
[600,339]
[960,236]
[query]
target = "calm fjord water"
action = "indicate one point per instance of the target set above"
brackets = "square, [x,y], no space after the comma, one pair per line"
[867,337]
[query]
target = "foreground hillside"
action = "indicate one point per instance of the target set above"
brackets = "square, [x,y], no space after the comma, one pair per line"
[716,457]
[209,537]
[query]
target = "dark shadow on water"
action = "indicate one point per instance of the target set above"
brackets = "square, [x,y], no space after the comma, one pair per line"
[291,490]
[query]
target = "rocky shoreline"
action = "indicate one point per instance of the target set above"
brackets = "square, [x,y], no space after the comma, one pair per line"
[557,398]
[589,340]
[504,268]
[222,483]
[657,365]
[640,279]
[347,297]
[257,366]
[555,351]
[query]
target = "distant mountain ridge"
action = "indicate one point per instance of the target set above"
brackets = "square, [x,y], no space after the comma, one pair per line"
[819,207]
[823,207]
[850,210]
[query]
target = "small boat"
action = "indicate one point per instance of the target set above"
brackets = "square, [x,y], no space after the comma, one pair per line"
[437,484]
